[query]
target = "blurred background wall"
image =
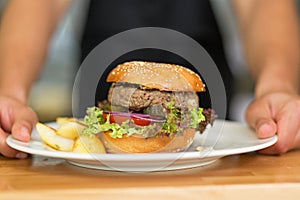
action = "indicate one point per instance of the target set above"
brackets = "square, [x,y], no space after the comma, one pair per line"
[51,95]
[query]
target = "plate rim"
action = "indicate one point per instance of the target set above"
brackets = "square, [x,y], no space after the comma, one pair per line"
[141,156]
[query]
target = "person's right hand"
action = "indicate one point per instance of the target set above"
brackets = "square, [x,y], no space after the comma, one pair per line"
[18,119]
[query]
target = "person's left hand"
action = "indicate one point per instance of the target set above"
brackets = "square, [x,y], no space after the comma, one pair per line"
[276,113]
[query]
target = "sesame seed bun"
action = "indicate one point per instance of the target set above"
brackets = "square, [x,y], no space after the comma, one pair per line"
[132,144]
[161,76]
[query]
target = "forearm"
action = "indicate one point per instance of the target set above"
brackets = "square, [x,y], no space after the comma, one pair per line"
[25,32]
[271,39]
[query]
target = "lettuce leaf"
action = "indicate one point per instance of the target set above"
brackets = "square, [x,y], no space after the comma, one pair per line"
[173,119]
[197,117]
[95,124]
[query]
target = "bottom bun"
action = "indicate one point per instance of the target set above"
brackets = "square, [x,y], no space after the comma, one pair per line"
[134,144]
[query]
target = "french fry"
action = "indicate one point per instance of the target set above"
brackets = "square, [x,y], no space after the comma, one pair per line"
[63,120]
[55,141]
[88,144]
[70,129]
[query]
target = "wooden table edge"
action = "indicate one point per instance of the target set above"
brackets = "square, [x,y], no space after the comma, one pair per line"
[230,191]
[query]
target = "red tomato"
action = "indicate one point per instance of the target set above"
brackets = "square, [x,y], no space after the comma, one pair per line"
[114,118]
[141,122]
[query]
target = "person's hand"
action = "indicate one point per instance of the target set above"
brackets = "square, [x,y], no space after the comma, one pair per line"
[17,119]
[276,113]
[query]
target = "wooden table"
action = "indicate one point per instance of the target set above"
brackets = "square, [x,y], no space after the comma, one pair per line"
[247,176]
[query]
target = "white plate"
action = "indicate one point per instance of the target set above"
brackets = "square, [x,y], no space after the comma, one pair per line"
[222,139]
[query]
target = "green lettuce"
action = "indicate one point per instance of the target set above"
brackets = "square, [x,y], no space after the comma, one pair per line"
[96,123]
[177,123]
[197,117]
[173,118]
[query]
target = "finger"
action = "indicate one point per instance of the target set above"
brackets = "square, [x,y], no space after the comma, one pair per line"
[288,128]
[259,117]
[265,127]
[6,121]
[8,151]
[21,130]
[23,125]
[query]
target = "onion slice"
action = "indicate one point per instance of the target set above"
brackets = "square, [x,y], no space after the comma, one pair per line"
[140,116]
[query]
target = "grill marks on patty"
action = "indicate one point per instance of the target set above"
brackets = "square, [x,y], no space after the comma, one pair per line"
[137,98]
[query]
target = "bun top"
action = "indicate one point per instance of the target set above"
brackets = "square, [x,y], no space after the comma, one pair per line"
[161,76]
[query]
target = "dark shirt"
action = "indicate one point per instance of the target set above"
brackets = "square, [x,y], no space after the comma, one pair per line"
[194,18]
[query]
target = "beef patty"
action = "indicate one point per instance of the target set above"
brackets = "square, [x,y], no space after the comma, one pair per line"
[137,98]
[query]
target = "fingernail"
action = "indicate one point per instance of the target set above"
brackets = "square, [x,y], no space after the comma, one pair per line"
[21,155]
[265,130]
[24,133]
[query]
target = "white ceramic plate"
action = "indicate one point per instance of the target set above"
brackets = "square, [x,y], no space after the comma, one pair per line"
[222,139]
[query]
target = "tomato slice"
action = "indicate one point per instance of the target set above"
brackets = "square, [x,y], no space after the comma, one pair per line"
[115,118]
[138,119]
[141,122]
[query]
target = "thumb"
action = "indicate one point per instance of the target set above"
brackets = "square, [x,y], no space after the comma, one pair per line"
[259,117]
[21,130]
[23,124]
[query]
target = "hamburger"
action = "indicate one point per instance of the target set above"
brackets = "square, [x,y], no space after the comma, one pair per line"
[150,107]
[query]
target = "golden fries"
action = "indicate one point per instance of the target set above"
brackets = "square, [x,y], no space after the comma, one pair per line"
[63,120]
[88,144]
[55,141]
[67,137]
[70,129]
